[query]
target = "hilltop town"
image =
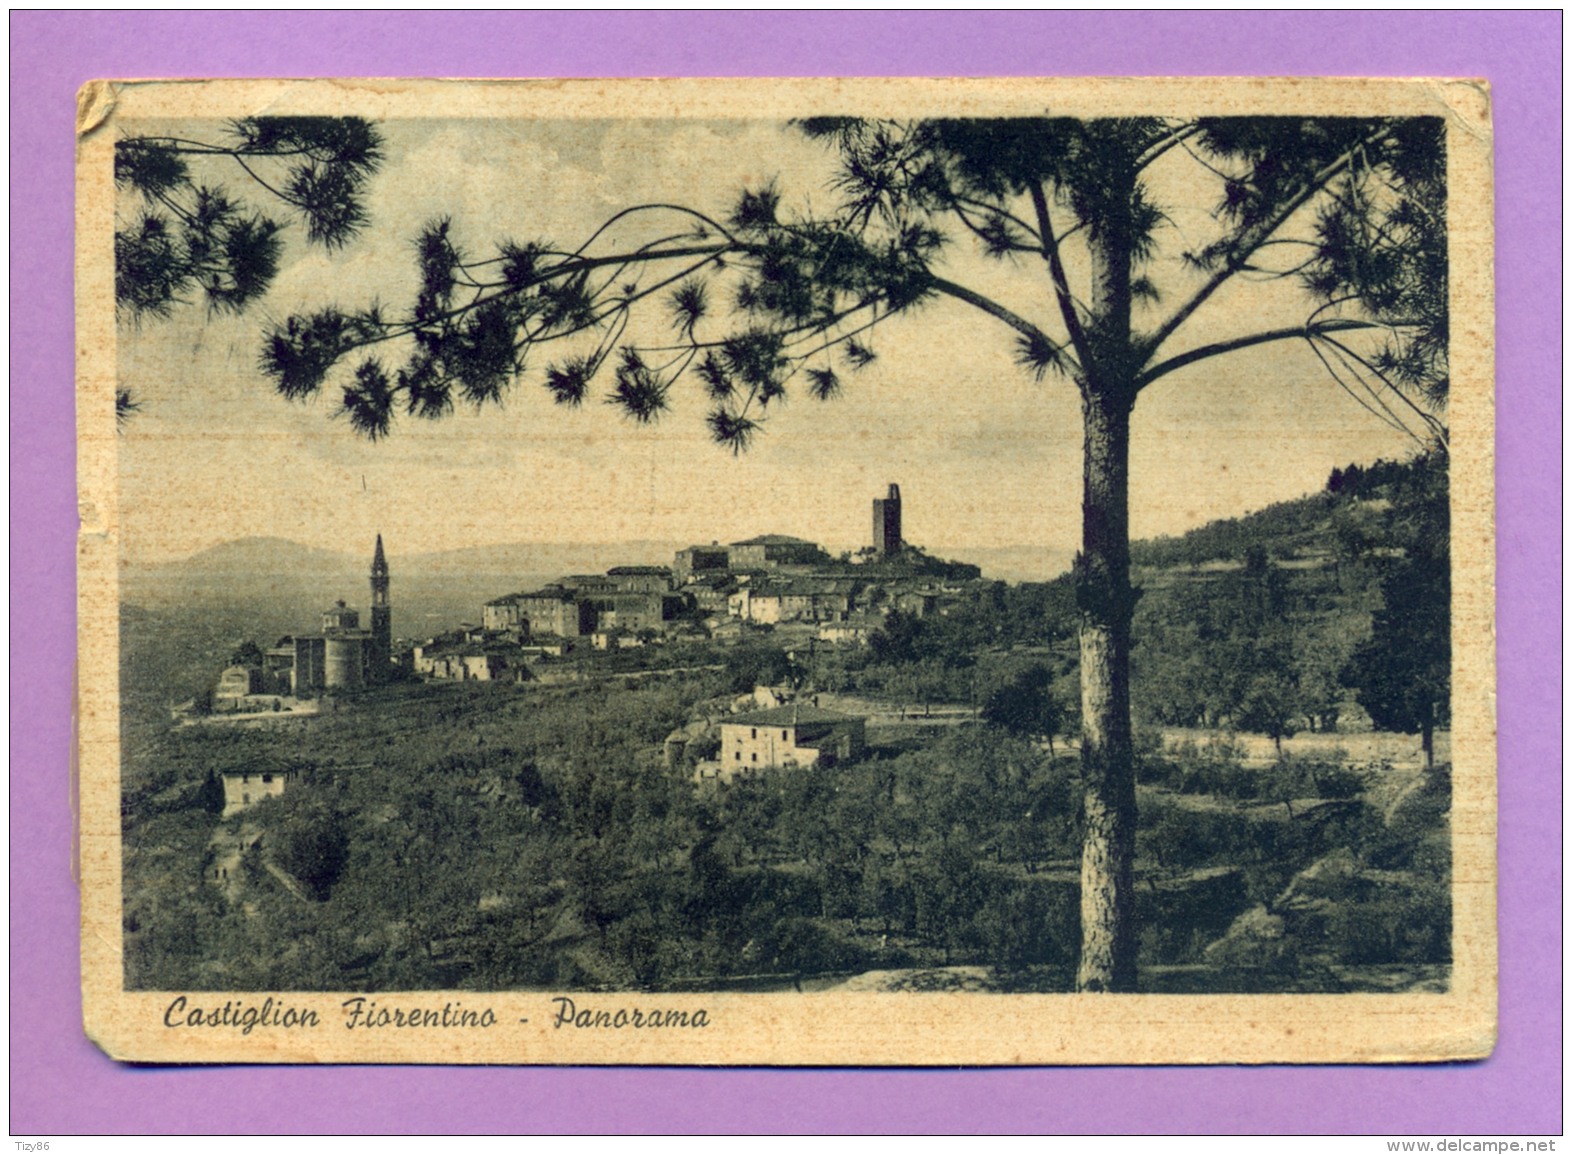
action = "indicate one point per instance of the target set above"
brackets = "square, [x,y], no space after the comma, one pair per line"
[711,595]
[719,594]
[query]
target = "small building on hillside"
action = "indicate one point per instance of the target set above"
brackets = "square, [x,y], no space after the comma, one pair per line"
[758,604]
[587,584]
[340,617]
[769,697]
[310,666]
[278,667]
[615,639]
[788,736]
[558,611]
[455,660]
[696,560]
[239,682]
[502,615]
[249,785]
[632,612]
[853,631]
[711,592]
[724,630]
[799,600]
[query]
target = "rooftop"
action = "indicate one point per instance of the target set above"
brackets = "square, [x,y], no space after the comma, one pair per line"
[775,539]
[263,765]
[550,593]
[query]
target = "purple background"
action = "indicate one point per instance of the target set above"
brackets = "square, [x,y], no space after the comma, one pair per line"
[61,1083]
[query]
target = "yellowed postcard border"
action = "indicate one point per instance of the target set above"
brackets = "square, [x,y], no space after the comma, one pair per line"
[798,1029]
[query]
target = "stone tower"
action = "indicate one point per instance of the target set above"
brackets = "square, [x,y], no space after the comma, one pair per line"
[887,523]
[379,657]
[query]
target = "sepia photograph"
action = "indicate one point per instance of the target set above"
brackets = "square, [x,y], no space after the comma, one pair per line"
[787,572]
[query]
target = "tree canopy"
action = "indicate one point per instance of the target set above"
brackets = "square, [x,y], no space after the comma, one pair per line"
[760,300]
[190,236]
[1403,671]
[1026,706]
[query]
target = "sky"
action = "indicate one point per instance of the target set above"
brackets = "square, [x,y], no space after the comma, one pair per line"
[985,456]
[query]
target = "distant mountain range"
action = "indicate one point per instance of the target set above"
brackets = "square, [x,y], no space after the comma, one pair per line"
[277,558]
[430,591]
[436,590]
[282,556]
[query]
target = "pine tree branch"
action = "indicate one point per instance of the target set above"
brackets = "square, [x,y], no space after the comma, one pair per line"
[1177,136]
[993,243]
[1017,322]
[1219,348]
[1389,419]
[1252,240]
[576,265]
[1061,282]
[984,206]
[627,212]
[841,338]
[1431,421]
[252,173]
[186,147]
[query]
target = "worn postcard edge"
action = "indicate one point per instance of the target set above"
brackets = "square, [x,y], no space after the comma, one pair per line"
[828,1028]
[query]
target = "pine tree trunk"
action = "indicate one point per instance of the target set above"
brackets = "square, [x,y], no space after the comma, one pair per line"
[1108,938]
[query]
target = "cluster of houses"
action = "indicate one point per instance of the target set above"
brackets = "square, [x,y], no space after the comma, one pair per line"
[714,592]
[710,591]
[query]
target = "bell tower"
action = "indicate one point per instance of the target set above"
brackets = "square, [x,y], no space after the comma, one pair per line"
[887,523]
[381,648]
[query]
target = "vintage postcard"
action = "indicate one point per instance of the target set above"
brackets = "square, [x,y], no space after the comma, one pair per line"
[786,572]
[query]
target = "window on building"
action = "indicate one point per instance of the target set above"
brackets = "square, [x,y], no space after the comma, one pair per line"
[245,798]
[783,735]
[754,733]
[753,757]
[266,778]
[739,755]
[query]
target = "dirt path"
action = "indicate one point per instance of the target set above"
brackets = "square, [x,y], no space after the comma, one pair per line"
[227,849]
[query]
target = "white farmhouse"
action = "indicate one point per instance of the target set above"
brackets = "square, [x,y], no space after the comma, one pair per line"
[788,736]
[247,787]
